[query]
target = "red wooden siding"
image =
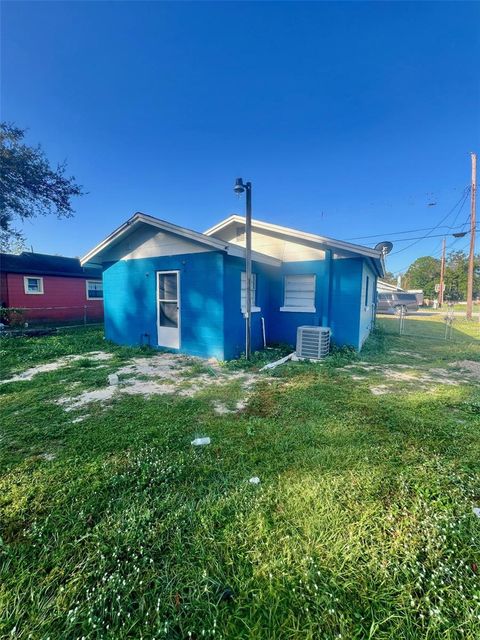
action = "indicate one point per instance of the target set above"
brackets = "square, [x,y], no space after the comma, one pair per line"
[63,298]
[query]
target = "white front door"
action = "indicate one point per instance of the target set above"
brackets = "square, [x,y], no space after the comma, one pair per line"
[168,309]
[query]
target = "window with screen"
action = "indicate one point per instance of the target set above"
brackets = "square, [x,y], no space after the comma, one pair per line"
[33,285]
[168,299]
[253,295]
[94,290]
[299,293]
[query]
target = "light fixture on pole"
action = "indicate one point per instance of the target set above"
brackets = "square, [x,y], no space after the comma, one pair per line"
[239,188]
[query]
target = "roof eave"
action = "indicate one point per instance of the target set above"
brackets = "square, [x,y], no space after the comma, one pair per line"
[310,237]
[195,236]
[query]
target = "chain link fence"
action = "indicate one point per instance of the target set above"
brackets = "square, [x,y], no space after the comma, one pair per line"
[445,324]
[15,318]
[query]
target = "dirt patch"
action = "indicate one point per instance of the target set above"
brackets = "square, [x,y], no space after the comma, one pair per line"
[57,364]
[221,409]
[413,378]
[469,365]
[380,390]
[166,374]
[48,456]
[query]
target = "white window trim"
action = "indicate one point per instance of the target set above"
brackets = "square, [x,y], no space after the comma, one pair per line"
[86,289]
[299,309]
[253,308]
[366,297]
[25,285]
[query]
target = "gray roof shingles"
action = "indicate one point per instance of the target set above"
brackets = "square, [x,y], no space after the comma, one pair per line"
[44,264]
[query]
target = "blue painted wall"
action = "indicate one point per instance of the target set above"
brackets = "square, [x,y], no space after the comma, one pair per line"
[345,301]
[282,325]
[366,303]
[212,323]
[130,301]
[234,321]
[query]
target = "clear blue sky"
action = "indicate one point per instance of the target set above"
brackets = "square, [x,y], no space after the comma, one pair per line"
[348,117]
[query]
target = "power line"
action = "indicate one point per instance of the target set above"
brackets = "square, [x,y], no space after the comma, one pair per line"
[437,235]
[462,201]
[434,254]
[466,191]
[397,233]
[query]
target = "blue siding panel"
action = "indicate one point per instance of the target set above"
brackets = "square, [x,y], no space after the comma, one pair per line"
[346,299]
[283,324]
[212,323]
[366,307]
[234,321]
[131,309]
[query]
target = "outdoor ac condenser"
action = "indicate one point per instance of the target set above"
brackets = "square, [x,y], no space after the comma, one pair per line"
[313,342]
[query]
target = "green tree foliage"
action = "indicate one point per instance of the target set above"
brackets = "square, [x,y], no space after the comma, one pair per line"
[424,273]
[456,275]
[390,278]
[29,186]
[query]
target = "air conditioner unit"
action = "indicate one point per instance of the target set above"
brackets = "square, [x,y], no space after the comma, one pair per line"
[313,342]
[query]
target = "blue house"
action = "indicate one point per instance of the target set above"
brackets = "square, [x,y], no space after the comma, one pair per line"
[172,287]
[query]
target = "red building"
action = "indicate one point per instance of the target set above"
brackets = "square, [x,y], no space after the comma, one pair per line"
[50,288]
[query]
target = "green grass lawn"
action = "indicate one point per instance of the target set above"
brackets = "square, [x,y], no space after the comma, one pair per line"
[362,525]
[456,307]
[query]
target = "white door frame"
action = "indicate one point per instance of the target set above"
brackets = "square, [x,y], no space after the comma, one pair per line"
[168,337]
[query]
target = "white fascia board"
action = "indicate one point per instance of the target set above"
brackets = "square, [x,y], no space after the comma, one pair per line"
[163,225]
[224,223]
[301,235]
[107,241]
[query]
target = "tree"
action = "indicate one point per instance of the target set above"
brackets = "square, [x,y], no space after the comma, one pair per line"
[456,274]
[424,273]
[29,186]
[390,278]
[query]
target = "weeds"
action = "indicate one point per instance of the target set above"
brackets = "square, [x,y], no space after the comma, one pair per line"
[361,527]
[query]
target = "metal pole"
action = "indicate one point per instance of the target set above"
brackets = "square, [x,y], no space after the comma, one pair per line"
[248,271]
[442,274]
[471,257]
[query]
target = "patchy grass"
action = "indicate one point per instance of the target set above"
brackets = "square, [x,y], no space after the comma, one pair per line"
[362,526]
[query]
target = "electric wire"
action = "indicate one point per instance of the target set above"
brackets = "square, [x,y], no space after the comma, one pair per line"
[465,193]
[461,202]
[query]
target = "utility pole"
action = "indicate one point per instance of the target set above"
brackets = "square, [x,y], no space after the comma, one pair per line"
[471,257]
[241,187]
[442,273]
[248,270]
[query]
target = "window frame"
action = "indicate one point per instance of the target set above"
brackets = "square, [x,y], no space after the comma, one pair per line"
[367,291]
[285,307]
[243,277]
[87,291]
[41,290]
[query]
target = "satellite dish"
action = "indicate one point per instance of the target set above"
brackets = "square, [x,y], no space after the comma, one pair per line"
[385,247]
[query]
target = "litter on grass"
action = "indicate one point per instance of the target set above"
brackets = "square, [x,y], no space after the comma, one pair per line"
[113,378]
[476,511]
[272,365]
[254,480]
[200,441]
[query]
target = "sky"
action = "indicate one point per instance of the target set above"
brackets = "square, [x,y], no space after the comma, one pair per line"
[351,119]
